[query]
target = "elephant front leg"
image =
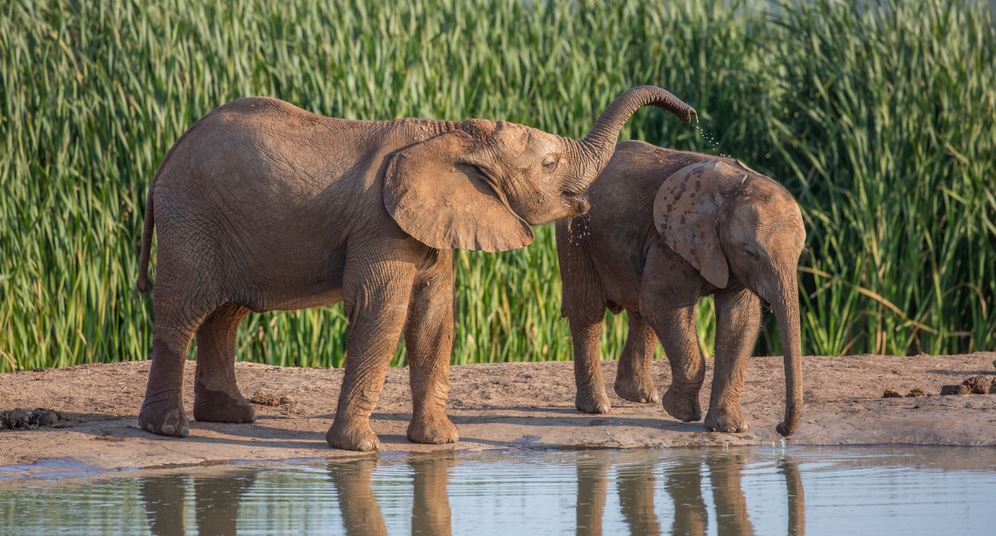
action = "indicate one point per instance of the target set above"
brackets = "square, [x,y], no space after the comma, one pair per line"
[429,343]
[675,326]
[633,378]
[738,319]
[377,300]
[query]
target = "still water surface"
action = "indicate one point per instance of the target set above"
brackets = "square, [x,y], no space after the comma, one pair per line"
[906,491]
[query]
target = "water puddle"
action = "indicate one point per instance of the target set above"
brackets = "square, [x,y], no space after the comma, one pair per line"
[918,490]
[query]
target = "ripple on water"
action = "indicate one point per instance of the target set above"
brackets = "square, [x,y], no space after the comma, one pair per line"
[764,490]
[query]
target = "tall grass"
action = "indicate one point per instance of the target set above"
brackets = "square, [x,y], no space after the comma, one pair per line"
[880,119]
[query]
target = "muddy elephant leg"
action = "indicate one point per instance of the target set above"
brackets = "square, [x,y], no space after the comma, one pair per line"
[162,410]
[675,326]
[377,296]
[216,394]
[584,306]
[590,397]
[668,303]
[429,343]
[738,319]
[634,381]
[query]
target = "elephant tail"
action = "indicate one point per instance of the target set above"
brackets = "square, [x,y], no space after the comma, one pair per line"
[143,260]
[150,221]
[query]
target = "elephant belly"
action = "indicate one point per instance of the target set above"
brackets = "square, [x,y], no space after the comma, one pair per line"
[299,285]
[620,281]
[316,299]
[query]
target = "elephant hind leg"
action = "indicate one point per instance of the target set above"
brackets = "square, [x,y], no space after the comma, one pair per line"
[184,295]
[162,410]
[590,397]
[216,393]
[634,381]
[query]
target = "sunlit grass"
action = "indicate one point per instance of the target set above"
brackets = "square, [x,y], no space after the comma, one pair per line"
[879,119]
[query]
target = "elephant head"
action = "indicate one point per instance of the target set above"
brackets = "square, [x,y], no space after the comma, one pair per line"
[730,222]
[481,184]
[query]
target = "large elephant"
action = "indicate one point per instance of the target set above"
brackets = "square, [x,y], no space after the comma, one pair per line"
[263,206]
[666,228]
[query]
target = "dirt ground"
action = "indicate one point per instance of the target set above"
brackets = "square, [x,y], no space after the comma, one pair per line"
[520,405]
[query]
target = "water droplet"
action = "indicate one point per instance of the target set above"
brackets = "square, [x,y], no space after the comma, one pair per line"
[708,137]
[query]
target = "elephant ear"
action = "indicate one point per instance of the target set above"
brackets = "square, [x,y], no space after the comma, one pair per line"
[441,195]
[686,214]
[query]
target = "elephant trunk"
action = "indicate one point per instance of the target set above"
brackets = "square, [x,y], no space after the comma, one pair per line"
[786,309]
[601,140]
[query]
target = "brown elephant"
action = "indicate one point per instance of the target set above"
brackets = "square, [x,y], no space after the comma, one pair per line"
[666,228]
[263,206]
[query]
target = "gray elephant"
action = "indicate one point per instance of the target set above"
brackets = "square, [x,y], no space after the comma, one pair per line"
[262,206]
[666,228]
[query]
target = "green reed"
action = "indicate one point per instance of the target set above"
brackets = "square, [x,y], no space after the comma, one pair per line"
[880,119]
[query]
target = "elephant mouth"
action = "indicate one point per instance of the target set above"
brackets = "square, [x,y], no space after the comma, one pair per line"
[578,204]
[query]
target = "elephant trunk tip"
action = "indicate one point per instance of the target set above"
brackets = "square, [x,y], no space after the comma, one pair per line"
[787,427]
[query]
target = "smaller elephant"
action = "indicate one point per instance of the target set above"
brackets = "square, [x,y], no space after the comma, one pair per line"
[666,228]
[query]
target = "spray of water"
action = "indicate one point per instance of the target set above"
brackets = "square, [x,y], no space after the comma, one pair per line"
[707,136]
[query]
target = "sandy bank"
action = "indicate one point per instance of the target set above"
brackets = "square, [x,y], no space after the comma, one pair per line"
[524,405]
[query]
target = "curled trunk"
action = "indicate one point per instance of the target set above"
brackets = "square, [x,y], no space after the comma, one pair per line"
[604,134]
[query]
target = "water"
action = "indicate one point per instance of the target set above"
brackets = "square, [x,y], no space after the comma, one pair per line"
[707,136]
[741,491]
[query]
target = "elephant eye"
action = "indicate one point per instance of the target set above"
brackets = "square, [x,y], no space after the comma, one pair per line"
[750,252]
[550,162]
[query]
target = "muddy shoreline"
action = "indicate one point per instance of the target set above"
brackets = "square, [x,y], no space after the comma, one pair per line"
[514,405]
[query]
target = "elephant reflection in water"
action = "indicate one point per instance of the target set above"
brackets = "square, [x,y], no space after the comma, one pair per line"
[635,485]
[360,512]
[216,502]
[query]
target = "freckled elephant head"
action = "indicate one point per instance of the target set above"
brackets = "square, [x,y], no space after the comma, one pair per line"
[481,185]
[730,222]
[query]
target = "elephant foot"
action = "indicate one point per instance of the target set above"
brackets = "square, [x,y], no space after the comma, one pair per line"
[163,415]
[592,401]
[433,430]
[683,407]
[636,388]
[219,406]
[352,434]
[726,420]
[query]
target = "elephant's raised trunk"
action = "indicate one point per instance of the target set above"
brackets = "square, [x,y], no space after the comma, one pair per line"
[786,308]
[601,140]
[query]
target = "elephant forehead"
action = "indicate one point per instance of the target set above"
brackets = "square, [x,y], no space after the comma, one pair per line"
[783,231]
[524,144]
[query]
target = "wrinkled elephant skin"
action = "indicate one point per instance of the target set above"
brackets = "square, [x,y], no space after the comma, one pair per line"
[262,206]
[666,228]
